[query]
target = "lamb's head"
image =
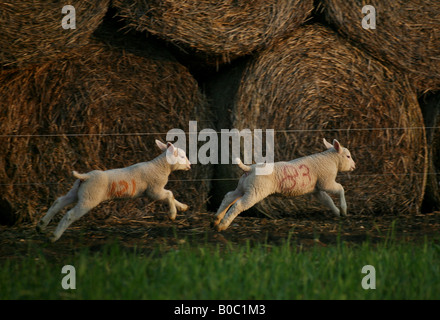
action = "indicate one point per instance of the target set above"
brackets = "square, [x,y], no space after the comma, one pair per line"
[346,162]
[176,157]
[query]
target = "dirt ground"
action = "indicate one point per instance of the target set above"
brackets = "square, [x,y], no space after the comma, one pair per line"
[152,231]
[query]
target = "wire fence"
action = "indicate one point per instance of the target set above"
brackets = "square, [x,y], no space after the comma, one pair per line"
[343,176]
[50,135]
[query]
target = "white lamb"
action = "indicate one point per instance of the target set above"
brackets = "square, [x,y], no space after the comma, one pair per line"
[311,174]
[92,188]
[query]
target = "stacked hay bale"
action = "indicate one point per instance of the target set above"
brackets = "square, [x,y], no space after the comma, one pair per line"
[31,31]
[313,85]
[407,34]
[218,31]
[87,110]
[76,101]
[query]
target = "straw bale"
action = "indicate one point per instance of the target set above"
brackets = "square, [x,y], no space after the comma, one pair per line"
[87,108]
[407,34]
[314,85]
[218,31]
[31,31]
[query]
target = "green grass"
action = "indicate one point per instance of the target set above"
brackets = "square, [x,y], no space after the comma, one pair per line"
[403,271]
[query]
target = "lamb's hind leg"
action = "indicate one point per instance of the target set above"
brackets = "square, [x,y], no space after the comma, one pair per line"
[60,203]
[71,216]
[229,199]
[245,202]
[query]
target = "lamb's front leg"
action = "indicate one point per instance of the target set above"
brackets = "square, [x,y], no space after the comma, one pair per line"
[343,202]
[168,196]
[180,206]
[325,199]
[338,189]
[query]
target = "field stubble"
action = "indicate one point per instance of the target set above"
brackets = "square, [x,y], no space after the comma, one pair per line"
[149,232]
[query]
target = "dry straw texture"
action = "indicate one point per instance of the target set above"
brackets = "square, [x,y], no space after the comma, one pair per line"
[31,30]
[318,84]
[407,34]
[220,30]
[98,89]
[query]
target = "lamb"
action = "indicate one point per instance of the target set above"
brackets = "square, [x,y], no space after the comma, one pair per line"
[90,189]
[311,174]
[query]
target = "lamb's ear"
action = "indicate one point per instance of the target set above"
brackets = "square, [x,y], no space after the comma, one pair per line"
[172,149]
[327,144]
[162,146]
[337,146]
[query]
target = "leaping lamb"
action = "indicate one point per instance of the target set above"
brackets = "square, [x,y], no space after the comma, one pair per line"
[311,174]
[90,189]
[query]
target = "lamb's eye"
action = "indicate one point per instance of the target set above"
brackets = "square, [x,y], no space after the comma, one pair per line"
[348,157]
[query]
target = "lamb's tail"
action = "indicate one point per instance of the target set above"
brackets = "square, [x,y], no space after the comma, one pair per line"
[242,166]
[80,176]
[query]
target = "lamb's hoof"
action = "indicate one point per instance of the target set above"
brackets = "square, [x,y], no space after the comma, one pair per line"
[214,223]
[337,214]
[220,227]
[39,228]
[184,207]
[53,238]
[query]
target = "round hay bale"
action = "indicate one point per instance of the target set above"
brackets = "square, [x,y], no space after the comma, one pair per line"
[314,85]
[430,105]
[97,107]
[218,31]
[31,31]
[407,34]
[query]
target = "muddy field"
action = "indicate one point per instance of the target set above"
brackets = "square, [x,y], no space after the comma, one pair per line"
[151,232]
